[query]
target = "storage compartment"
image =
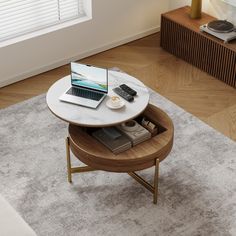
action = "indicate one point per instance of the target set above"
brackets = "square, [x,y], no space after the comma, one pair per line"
[159,128]
[121,137]
[99,140]
[152,126]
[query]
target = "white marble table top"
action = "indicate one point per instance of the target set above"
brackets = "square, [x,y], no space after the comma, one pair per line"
[102,116]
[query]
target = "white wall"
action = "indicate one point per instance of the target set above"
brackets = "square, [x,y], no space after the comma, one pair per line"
[114,22]
[215,8]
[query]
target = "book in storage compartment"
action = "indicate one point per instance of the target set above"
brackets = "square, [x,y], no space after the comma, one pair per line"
[116,144]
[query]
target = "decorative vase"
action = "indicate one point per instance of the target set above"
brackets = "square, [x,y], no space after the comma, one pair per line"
[196,9]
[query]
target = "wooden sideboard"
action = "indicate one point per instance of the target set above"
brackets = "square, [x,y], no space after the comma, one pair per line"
[181,36]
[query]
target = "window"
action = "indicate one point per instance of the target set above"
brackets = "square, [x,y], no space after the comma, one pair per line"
[19,17]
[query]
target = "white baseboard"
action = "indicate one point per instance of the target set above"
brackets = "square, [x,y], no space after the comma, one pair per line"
[64,61]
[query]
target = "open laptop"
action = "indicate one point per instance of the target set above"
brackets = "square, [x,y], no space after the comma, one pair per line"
[89,85]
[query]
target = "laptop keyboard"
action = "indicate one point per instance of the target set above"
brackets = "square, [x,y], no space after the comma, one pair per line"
[85,93]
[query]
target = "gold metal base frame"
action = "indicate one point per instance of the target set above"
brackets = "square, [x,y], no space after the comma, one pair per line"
[152,188]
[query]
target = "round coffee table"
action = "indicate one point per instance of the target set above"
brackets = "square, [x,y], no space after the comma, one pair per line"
[147,154]
[94,154]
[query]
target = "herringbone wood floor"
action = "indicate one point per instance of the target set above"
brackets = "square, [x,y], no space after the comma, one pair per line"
[198,93]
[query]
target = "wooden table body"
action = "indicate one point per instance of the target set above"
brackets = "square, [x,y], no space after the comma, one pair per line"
[142,156]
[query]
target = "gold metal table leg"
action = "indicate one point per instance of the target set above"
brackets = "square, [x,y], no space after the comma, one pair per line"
[140,180]
[156,179]
[68,160]
[81,169]
[70,169]
[153,189]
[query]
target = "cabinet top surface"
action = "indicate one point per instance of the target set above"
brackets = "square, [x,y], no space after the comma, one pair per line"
[182,17]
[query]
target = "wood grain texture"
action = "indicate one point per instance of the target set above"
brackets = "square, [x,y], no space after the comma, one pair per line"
[96,155]
[180,35]
[194,90]
[225,121]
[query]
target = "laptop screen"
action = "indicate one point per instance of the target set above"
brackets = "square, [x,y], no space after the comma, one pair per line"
[89,77]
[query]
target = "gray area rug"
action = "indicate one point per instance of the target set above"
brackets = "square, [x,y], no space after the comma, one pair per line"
[197,190]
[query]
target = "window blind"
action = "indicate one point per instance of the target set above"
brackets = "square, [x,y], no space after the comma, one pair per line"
[19,17]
